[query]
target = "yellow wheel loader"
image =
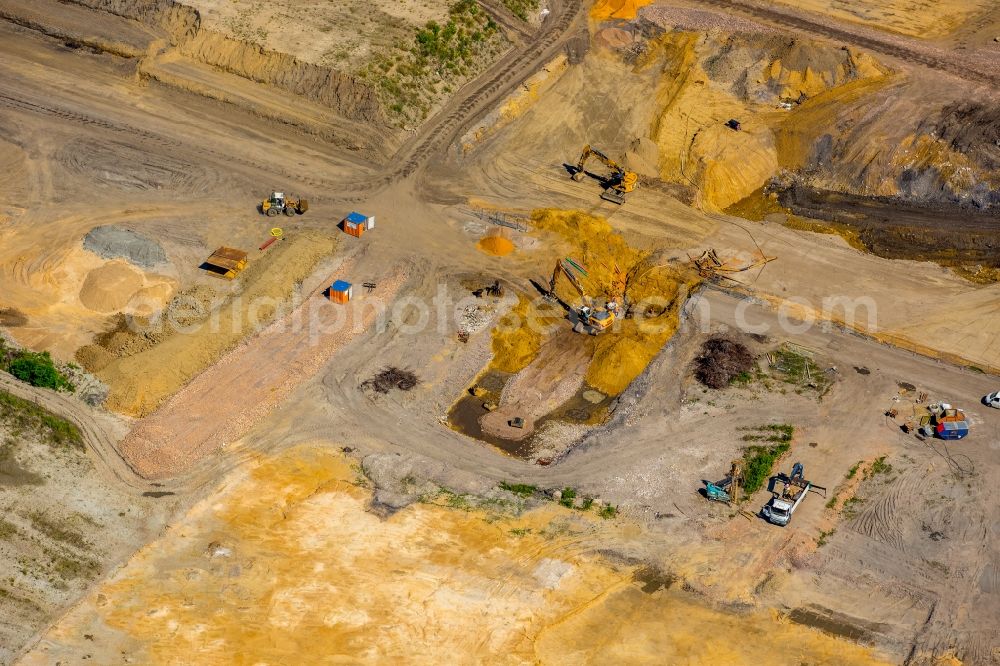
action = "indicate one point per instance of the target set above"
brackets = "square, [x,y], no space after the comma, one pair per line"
[278,203]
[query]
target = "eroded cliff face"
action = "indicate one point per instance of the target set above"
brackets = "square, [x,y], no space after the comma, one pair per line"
[339,91]
[759,80]
[811,113]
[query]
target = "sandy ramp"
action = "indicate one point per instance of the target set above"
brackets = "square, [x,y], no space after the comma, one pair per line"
[249,382]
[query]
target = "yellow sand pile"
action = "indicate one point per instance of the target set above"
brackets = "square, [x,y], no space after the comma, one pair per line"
[495,244]
[140,382]
[518,336]
[696,148]
[805,68]
[617,9]
[118,287]
[658,291]
[695,145]
[615,271]
[797,132]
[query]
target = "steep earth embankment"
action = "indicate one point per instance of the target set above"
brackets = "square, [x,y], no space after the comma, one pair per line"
[817,114]
[338,91]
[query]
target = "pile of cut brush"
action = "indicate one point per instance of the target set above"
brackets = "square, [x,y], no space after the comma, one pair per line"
[391,378]
[721,361]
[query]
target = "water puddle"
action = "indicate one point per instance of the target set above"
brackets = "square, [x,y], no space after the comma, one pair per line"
[586,407]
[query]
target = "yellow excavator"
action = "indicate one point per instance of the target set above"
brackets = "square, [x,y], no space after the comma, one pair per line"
[589,319]
[619,183]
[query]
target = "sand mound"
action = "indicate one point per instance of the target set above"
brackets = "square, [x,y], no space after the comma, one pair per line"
[617,9]
[496,245]
[112,242]
[109,288]
[614,270]
[613,38]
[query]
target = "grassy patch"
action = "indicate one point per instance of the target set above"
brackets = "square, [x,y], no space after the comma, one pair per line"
[759,459]
[521,8]
[410,78]
[456,501]
[57,530]
[824,537]
[608,511]
[771,432]
[71,567]
[796,368]
[7,530]
[879,466]
[568,497]
[854,470]
[851,506]
[520,532]
[22,415]
[519,489]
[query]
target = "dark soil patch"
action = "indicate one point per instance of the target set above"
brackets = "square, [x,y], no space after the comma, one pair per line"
[947,233]
[721,361]
[392,378]
[12,317]
[654,580]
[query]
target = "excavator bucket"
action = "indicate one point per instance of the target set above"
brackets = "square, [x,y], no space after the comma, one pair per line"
[614,196]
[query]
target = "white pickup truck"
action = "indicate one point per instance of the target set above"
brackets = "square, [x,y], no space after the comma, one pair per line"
[782,505]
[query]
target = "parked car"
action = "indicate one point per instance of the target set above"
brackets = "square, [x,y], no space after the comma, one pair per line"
[993,399]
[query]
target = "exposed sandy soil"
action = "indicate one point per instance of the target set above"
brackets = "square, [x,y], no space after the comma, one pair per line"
[276,548]
[918,19]
[251,380]
[245,570]
[343,34]
[67,520]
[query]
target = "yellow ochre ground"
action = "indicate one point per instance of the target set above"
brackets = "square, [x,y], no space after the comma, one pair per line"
[286,563]
[617,9]
[615,271]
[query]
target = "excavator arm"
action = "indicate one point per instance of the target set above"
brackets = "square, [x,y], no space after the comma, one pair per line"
[572,279]
[618,184]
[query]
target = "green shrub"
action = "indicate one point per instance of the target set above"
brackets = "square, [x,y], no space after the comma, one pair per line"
[759,459]
[35,368]
[879,466]
[519,489]
[568,495]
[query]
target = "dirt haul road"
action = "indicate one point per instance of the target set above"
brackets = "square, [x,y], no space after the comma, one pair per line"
[979,66]
[661,442]
[565,22]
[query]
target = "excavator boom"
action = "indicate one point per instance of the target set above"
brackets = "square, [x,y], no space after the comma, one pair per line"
[617,185]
